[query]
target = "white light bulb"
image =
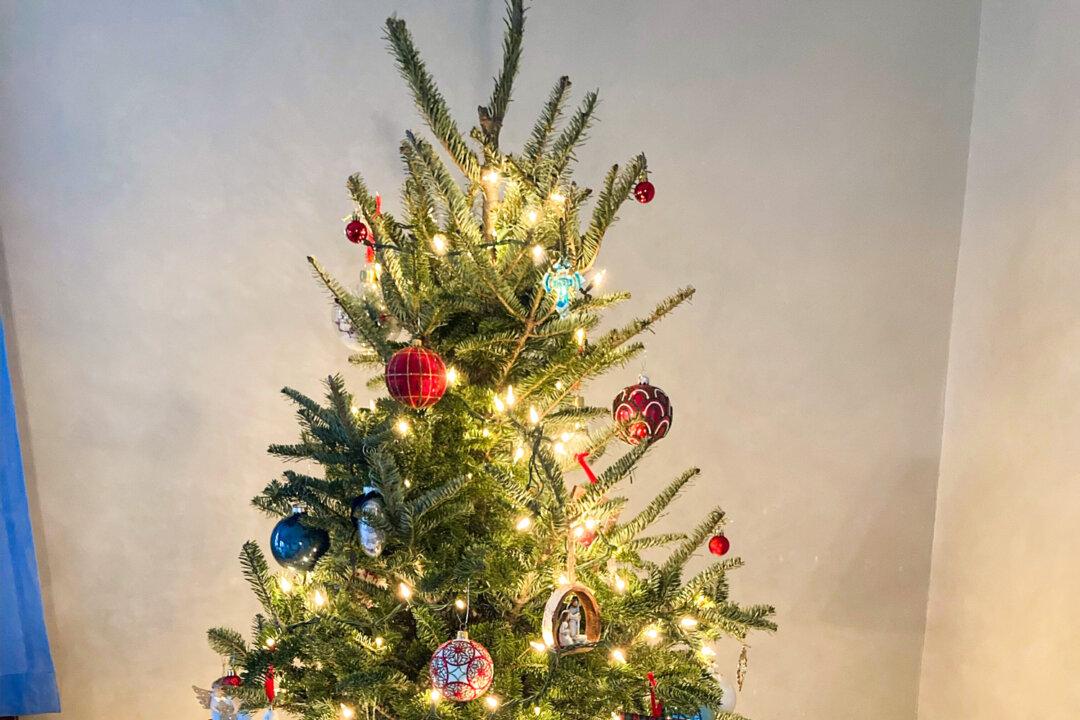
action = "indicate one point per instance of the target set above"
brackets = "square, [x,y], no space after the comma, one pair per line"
[652,633]
[371,405]
[688,622]
[524,523]
[347,712]
[563,580]
[510,397]
[557,197]
[270,643]
[559,448]
[402,427]
[532,216]
[579,336]
[404,591]
[492,702]
[459,604]
[436,696]
[590,524]
[538,253]
[536,709]
[379,642]
[451,375]
[491,177]
[534,416]
[565,437]
[318,598]
[285,584]
[538,646]
[618,655]
[707,651]
[519,452]
[499,406]
[620,584]
[598,278]
[439,244]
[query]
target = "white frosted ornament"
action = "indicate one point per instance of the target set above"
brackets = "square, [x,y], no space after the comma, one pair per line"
[727,703]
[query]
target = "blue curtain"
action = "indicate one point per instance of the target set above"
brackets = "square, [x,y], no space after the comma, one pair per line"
[27,679]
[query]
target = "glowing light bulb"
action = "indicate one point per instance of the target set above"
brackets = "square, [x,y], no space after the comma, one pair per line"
[353,409]
[557,197]
[402,427]
[404,591]
[519,452]
[590,524]
[688,622]
[579,336]
[451,375]
[579,531]
[270,643]
[459,604]
[490,177]
[285,584]
[565,437]
[371,405]
[620,584]
[318,598]
[436,696]
[536,709]
[408,483]
[707,651]
[652,632]
[492,702]
[498,403]
[439,244]
[532,216]
[534,416]
[598,278]
[347,712]
[510,398]
[524,523]
[538,646]
[618,655]
[485,432]
[538,253]
[379,642]
[559,448]
[563,580]
[559,385]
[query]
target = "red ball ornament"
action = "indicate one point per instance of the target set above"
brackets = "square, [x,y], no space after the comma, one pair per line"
[461,669]
[642,411]
[719,545]
[357,232]
[644,192]
[416,377]
[230,680]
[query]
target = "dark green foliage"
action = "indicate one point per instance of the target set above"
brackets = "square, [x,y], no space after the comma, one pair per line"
[458,481]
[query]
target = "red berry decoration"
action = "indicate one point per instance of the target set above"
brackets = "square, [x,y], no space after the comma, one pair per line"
[461,669]
[357,232]
[644,191]
[642,411]
[719,545]
[416,377]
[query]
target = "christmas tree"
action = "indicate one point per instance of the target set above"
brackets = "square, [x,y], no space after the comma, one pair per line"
[446,564]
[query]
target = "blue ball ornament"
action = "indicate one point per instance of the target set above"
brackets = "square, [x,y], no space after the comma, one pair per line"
[297,546]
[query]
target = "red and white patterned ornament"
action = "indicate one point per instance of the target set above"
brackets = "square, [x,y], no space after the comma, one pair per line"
[642,411]
[416,376]
[461,669]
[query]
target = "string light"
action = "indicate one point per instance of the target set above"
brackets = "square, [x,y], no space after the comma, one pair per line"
[579,531]
[439,244]
[285,584]
[532,216]
[707,651]
[565,437]
[510,398]
[318,598]
[379,642]
[347,712]
[652,632]
[371,405]
[490,177]
[590,524]
[270,643]
[485,432]
[598,278]
[618,655]
[524,523]
[579,336]
[519,452]
[536,709]
[436,696]
[538,253]
[492,702]
[451,375]
[534,416]
[354,410]
[459,604]
[499,406]
[559,448]
[404,591]
[620,584]
[559,385]
[538,646]
[563,580]
[557,197]
[688,622]
[408,483]
[402,427]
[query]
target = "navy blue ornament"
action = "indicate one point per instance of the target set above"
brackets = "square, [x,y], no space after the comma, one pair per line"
[297,546]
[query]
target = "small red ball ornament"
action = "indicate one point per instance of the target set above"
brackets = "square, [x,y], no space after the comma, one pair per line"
[230,680]
[719,545]
[416,377]
[644,192]
[642,411]
[356,232]
[461,669]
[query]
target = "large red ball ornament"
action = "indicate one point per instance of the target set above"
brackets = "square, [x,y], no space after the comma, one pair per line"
[644,192]
[642,411]
[416,377]
[356,232]
[461,669]
[719,545]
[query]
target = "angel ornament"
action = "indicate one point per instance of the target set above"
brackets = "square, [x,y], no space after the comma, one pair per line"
[562,282]
[220,702]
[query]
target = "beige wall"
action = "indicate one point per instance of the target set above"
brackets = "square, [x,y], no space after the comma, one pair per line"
[1001,637]
[165,167]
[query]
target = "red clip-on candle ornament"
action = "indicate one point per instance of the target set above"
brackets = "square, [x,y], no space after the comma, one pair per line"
[582,458]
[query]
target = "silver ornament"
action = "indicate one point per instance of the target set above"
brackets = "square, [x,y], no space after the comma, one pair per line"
[368,510]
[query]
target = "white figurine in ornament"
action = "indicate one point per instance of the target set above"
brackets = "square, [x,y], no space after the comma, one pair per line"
[574,620]
[566,638]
